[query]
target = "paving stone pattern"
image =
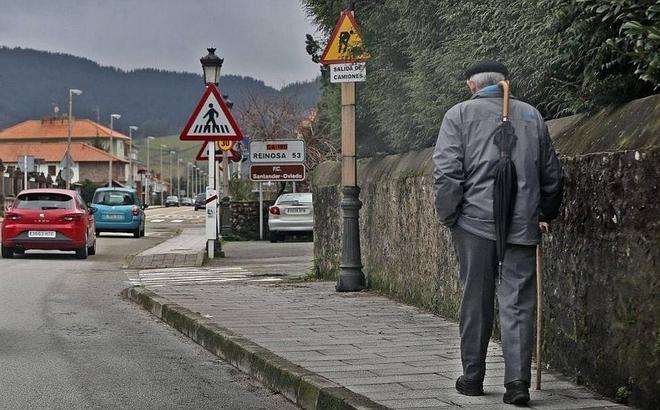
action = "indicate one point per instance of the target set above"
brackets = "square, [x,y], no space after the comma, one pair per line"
[394,354]
[186,249]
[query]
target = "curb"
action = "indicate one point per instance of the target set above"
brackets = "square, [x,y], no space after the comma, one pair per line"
[301,386]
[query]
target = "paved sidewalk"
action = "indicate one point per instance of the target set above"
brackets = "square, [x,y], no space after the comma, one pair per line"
[379,351]
[185,249]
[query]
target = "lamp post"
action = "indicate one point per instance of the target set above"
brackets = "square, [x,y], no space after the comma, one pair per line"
[172,153]
[67,157]
[211,66]
[147,197]
[131,128]
[162,176]
[178,175]
[112,118]
[188,172]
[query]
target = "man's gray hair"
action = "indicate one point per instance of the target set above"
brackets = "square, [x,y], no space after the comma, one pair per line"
[485,79]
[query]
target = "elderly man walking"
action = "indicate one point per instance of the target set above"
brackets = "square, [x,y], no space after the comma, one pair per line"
[465,157]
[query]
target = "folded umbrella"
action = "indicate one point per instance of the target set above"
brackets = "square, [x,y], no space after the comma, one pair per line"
[506,180]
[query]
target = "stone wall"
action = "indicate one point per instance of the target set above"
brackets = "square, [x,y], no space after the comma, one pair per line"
[601,281]
[245,220]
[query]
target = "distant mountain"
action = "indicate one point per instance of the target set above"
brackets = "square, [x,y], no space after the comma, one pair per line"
[33,83]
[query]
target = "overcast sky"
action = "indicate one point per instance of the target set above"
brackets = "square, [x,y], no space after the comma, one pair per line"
[264,39]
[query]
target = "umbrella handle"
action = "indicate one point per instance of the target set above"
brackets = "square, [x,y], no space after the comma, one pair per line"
[505,99]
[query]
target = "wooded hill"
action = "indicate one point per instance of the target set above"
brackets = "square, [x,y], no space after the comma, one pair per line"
[33,83]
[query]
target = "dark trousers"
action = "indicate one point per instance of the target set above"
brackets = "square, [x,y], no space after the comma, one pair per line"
[516,296]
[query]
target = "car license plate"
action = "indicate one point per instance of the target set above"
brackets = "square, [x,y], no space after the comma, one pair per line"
[41,234]
[297,211]
[114,217]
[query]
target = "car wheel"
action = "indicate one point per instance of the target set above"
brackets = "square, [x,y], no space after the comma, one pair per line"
[81,253]
[19,251]
[274,237]
[98,232]
[7,252]
[91,250]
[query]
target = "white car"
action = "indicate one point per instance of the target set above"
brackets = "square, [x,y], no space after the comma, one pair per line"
[291,213]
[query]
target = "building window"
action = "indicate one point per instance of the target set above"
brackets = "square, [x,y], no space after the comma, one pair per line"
[52,170]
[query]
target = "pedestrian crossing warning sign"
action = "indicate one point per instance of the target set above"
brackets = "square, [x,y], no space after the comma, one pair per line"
[211,120]
[345,45]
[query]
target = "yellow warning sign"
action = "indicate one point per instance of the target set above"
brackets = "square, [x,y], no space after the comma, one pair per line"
[345,45]
[225,145]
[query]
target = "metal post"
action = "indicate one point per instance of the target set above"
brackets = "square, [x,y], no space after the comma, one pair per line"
[211,205]
[25,172]
[68,144]
[226,230]
[146,177]
[178,176]
[162,176]
[261,212]
[111,150]
[171,182]
[351,278]
[130,157]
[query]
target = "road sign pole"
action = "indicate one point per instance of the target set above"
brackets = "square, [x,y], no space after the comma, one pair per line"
[351,278]
[211,209]
[226,230]
[261,212]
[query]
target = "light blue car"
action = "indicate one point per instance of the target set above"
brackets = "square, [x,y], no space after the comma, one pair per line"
[118,210]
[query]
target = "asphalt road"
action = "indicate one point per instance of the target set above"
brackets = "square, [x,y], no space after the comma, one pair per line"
[68,340]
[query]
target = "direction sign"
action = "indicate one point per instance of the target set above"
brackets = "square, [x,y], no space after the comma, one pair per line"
[277,151]
[225,145]
[348,72]
[279,173]
[345,44]
[211,120]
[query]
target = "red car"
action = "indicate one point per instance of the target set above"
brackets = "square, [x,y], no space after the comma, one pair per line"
[49,219]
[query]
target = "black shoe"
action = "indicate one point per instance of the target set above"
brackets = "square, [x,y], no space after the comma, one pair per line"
[468,387]
[517,392]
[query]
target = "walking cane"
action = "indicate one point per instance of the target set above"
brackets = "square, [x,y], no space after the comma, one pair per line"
[543,227]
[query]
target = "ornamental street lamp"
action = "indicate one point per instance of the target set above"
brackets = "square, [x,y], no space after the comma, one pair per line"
[211,65]
[112,118]
[130,154]
[67,157]
[147,197]
[188,172]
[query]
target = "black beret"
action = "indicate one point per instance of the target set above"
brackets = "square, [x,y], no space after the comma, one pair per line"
[486,66]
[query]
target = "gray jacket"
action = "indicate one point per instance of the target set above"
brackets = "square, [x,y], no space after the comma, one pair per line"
[465,157]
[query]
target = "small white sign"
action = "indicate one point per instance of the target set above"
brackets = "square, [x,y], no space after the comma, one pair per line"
[277,151]
[211,213]
[347,73]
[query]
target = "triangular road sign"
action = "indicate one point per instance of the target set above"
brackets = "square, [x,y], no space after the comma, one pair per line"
[203,154]
[345,44]
[211,120]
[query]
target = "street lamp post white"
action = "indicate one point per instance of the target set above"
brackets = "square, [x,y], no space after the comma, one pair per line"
[67,160]
[112,118]
[188,172]
[147,197]
[179,161]
[162,176]
[131,179]
[172,154]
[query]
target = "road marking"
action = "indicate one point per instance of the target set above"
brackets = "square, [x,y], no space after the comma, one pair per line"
[157,220]
[177,220]
[195,276]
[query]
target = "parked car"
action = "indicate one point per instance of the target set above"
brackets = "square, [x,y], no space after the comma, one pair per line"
[119,210]
[172,200]
[291,213]
[200,201]
[187,202]
[48,219]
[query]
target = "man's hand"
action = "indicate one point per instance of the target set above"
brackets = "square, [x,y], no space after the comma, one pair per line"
[544,227]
